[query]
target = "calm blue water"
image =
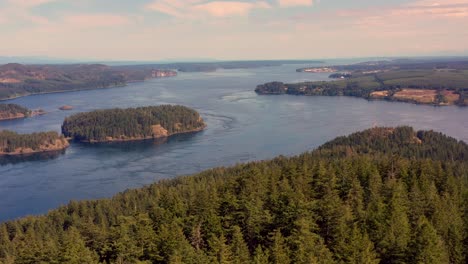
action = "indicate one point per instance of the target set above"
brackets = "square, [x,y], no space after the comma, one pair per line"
[241,127]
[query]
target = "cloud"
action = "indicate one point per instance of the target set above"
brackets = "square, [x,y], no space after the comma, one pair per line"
[200,9]
[95,20]
[291,3]
[447,8]
[225,9]
[29,3]
[18,11]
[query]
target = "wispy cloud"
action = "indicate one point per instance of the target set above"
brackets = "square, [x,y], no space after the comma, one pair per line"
[20,11]
[199,8]
[291,3]
[225,9]
[232,29]
[95,20]
[29,3]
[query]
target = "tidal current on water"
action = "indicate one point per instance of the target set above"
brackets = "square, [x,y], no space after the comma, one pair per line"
[242,127]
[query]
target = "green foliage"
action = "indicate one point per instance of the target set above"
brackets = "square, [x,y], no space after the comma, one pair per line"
[34,79]
[131,123]
[391,79]
[10,141]
[377,196]
[13,109]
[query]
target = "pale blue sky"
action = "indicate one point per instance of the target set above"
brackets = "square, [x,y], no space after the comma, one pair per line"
[232,29]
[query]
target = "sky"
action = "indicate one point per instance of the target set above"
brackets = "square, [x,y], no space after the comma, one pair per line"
[152,30]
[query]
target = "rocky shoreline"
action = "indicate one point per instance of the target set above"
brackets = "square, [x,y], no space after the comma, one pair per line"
[60,144]
[129,139]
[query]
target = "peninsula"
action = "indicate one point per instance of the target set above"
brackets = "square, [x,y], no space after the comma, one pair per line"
[441,83]
[132,124]
[18,80]
[12,143]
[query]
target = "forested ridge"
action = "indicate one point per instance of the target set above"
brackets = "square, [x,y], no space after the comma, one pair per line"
[22,80]
[11,141]
[379,196]
[132,123]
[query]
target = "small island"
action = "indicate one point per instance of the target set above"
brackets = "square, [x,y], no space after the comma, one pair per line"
[130,124]
[12,143]
[66,108]
[14,111]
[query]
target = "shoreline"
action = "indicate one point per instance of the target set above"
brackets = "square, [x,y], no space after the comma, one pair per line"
[12,118]
[369,99]
[84,89]
[63,91]
[136,139]
[13,154]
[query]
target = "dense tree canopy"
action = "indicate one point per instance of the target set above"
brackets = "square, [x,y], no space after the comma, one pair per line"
[380,196]
[10,141]
[132,123]
[13,110]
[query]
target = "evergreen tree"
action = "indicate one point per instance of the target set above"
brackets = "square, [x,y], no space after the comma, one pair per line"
[427,246]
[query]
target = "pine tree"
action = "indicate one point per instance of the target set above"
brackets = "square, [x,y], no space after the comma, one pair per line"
[220,250]
[239,249]
[73,249]
[279,249]
[397,234]
[308,247]
[427,246]
[260,256]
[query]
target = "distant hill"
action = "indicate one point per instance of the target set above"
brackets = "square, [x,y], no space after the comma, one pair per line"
[384,195]
[20,80]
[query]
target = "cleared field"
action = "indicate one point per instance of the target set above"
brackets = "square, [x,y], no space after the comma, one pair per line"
[379,94]
[418,95]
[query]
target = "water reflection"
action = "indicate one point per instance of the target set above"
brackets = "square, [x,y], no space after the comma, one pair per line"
[42,156]
[137,145]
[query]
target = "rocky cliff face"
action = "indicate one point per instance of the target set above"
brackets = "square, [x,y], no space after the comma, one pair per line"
[9,115]
[59,144]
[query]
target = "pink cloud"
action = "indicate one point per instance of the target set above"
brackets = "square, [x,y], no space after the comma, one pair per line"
[199,9]
[164,8]
[291,3]
[95,20]
[225,9]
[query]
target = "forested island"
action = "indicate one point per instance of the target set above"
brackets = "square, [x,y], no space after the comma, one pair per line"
[385,195]
[435,83]
[13,111]
[20,80]
[132,123]
[12,143]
